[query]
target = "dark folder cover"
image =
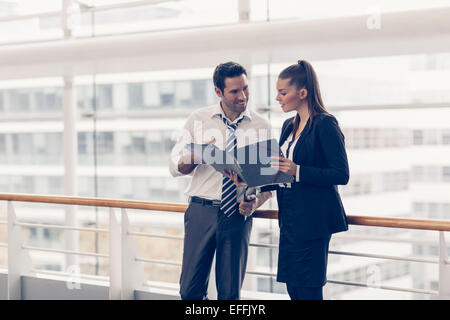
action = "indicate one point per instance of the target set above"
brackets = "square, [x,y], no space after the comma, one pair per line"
[251,162]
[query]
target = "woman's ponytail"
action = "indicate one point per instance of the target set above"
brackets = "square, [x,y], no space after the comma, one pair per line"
[312,85]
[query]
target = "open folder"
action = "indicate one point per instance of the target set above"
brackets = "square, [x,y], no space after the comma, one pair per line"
[251,163]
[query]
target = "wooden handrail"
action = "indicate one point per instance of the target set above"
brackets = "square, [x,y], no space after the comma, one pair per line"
[421,224]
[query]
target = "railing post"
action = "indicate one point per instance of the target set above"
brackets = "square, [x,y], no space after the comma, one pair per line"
[115,257]
[19,262]
[212,289]
[133,275]
[70,145]
[444,269]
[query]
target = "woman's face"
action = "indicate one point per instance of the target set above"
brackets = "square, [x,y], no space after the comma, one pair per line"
[289,97]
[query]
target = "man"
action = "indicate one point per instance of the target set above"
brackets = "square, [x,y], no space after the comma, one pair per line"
[216,221]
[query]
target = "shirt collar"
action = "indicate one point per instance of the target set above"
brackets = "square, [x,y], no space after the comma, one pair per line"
[218,110]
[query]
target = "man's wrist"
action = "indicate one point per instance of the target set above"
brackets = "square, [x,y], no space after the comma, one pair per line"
[186,168]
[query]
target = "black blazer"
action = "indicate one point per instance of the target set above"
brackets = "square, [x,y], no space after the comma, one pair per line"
[312,208]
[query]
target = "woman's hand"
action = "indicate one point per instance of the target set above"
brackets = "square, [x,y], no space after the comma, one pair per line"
[284,165]
[234,176]
[246,208]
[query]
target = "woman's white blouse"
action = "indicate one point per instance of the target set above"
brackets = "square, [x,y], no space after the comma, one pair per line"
[284,148]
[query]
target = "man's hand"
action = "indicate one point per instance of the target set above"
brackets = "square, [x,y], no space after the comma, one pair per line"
[246,208]
[188,161]
[234,176]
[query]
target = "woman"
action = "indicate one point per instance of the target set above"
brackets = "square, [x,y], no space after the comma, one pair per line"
[310,209]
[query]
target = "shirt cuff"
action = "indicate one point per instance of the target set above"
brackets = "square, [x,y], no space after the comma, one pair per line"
[297,175]
[173,166]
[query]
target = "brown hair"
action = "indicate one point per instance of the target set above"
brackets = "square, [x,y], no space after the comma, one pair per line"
[302,75]
[227,70]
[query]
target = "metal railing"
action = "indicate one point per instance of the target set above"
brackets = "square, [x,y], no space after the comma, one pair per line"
[126,271]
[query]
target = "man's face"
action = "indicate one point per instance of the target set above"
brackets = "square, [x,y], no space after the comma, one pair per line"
[235,94]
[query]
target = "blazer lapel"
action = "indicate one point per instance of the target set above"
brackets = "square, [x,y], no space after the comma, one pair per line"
[303,136]
[285,134]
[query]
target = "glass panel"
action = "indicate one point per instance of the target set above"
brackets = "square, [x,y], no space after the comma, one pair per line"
[25,7]
[161,16]
[33,29]
[288,9]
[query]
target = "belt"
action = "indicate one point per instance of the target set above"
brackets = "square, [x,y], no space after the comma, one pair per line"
[205,202]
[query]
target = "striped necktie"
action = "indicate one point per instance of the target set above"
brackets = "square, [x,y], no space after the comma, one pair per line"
[228,204]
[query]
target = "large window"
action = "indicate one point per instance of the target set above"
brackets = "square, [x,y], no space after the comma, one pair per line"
[288,9]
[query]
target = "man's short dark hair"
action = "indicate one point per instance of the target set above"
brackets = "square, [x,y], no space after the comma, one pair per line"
[227,70]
